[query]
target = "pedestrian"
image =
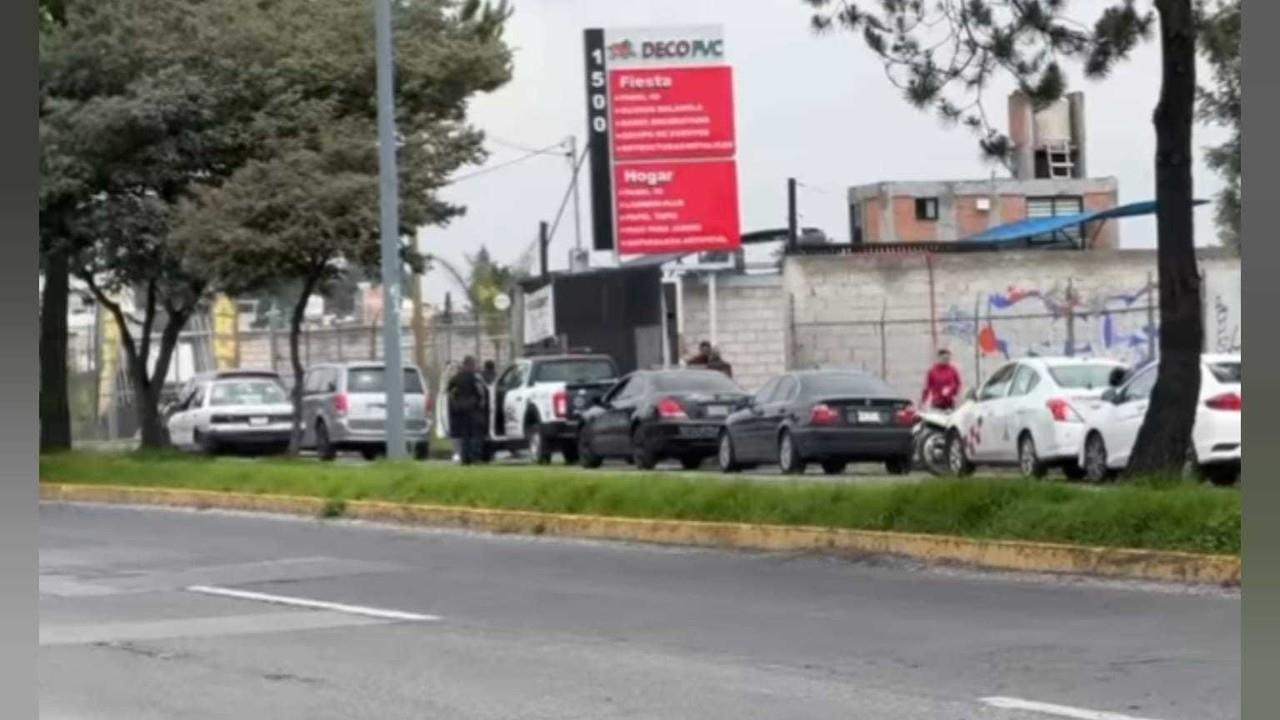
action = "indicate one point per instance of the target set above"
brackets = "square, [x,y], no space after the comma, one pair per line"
[716,362]
[703,355]
[942,384]
[468,411]
[490,372]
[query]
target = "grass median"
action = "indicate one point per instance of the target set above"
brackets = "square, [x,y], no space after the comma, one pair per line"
[1142,516]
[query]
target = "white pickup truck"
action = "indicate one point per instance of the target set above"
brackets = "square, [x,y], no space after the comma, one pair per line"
[536,404]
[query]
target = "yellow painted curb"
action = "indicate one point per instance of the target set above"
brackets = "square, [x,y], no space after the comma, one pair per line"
[1159,565]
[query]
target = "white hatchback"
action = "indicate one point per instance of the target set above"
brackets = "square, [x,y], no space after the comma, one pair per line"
[1032,413]
[1215,438]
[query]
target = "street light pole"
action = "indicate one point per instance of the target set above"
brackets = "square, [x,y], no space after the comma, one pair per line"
[390,216]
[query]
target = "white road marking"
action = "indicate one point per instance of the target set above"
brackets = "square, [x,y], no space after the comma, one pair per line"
[313,604]
[200,627]
[1065,711]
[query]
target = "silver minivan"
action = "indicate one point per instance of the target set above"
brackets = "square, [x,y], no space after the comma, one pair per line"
[344,407]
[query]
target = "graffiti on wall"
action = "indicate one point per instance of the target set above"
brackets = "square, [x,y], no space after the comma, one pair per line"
[1023,321]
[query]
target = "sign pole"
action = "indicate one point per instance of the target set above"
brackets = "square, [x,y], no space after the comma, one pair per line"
[390,221]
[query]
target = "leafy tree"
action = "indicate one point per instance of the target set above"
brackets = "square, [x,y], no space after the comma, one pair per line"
[309,209]
[143,103]
[944,53]
[1220,105]
[488,280]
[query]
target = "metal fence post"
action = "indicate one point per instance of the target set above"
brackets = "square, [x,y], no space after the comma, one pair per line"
[1071,319]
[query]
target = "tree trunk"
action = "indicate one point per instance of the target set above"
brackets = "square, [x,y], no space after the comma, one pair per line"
[147,392]
[55,409]
[295,360]
[1164,440]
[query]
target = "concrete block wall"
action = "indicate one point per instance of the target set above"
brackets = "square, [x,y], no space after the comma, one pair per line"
[751,324]
[888,313]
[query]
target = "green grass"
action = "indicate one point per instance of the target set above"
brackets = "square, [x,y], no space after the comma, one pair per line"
[1170,517]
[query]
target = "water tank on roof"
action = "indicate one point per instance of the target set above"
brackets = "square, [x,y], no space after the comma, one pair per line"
[1053,124]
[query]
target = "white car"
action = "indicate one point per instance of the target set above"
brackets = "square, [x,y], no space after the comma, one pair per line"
[1032,413]
[1215,438]
[232,411]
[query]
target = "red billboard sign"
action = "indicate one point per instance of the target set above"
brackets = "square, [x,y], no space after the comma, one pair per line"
[672,113]
[677,206]
[663,141]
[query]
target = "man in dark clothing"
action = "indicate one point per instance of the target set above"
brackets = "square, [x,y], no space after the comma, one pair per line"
[490,372]
[702,357]
[468,411]
[942,384]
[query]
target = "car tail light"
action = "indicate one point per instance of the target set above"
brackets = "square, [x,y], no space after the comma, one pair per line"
[1062,411]
[1231,402]
[560,403]
[670,408]
[907,416]
[341,404]
[823,414]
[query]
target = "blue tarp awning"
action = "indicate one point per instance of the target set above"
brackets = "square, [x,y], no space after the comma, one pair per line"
[1042,226]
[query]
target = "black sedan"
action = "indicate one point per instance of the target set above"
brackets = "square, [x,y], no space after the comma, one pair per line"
[832,417]
[652,415]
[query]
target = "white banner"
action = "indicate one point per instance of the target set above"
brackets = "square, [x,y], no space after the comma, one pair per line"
[539,315]
[664,47]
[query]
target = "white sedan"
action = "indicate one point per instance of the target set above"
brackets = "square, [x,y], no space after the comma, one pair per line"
[1215,438]
[1031,413]
[234,411]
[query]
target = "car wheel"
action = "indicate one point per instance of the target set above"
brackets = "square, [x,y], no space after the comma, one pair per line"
[691,462]
[570,452]
[645,457]
[789,458]
[725,456]
[1095,459]
[898,466]
[369,454]
[957,458]
[324,446]
[204,443]
[586,456]
[1028,461]
[538,451]
[834,467]
[1222,475]
[422,450]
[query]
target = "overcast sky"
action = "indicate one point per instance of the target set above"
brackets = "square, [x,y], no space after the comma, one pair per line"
[816,108]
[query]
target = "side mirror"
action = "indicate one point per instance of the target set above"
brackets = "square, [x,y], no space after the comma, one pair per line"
[1111,395]
[971,395]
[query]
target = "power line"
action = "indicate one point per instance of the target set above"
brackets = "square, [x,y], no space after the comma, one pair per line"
[528,148]
[500,166]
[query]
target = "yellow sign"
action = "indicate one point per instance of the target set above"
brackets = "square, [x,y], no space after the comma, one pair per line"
[226,333]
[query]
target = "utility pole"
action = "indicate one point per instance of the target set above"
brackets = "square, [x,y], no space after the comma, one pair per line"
[543,242]
[577,209]
[389,192]
[793,229]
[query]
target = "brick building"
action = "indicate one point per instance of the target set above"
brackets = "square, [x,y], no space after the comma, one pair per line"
[1048,164]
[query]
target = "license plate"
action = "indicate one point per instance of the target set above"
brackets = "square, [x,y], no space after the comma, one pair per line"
[699,432]
[257,421]
[717,411]
[867,416]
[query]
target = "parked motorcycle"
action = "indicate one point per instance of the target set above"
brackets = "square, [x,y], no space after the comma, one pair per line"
[931,442]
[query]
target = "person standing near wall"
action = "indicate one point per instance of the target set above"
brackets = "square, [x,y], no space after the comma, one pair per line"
[941,384]
[702,357]
[468,400]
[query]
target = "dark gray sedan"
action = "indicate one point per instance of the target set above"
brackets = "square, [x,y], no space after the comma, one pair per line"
[831,417]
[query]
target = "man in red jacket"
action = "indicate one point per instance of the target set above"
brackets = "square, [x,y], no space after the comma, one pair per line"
[942,384]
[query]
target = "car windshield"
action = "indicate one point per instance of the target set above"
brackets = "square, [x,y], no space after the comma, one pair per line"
[373,380]
[247,392]
[697,381]
[1226,372]
[846,384]
[574,371]
[1082,377]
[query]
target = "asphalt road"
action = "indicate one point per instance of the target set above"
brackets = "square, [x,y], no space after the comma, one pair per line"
[144,615]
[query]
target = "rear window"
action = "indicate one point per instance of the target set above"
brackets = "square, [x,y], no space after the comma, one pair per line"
[1082,377]
[247,392]
[846,384]
[374,380]
[573,371]
[1226,372]
[708,381]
